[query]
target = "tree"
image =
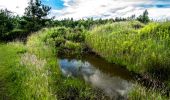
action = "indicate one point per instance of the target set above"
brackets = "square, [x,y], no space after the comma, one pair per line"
[144,18]
[35,15]
[37,10]
[6,22]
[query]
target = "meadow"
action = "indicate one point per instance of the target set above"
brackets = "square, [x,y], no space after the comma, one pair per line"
[31,71]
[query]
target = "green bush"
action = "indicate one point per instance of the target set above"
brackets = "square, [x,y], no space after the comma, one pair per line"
[16,33]
[71,48]
[77,37]
[68,41]
[59,41]
[59,32]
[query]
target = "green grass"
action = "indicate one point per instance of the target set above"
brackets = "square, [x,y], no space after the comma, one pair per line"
[31,72]
[26,71]
[10,70]
[140,50]
[63,87]
[141,93]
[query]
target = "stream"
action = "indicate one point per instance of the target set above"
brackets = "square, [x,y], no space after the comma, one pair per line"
[114,80]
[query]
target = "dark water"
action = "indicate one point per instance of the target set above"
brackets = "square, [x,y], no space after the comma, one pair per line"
[112,79]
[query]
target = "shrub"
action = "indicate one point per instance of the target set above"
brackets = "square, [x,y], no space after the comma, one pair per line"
[16,33]
[59,32]
[77,37]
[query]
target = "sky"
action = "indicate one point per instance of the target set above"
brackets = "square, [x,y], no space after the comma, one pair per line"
[78,9]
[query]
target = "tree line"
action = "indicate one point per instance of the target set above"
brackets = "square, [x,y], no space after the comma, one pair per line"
[35,18]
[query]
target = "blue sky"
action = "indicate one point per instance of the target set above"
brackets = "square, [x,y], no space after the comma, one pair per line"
[55,4]
[158,9]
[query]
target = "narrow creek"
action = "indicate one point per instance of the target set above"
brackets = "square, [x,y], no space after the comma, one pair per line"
[114,80]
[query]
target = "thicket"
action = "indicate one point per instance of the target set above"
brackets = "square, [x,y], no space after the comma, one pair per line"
[68,41]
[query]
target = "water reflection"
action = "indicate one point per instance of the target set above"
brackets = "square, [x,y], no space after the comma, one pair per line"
[112,79]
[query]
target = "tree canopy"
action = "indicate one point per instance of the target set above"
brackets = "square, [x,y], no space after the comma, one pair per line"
[144,18]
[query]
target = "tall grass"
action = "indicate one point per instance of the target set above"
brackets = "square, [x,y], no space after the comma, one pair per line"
[28,71]
[10,70]
[141,50]
[141,93]
[61,87]
[31,72]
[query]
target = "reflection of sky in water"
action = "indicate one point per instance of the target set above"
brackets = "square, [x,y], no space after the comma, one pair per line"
[113,86]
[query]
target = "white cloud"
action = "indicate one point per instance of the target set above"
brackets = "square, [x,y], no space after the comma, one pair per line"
[16,6]
[78,9]
[159,13]
[108,9]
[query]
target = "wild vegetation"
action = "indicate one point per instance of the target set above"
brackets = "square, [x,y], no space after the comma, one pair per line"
[141,48]
[30,70]
[142,93]
[35,74]
[68,41]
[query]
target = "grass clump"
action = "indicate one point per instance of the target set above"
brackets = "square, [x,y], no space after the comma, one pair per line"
[141,93]
[140,49]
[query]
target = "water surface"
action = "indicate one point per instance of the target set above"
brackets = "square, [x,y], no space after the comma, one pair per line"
[114,80]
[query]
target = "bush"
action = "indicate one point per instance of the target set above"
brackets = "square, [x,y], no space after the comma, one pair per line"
[76,37]
[68,41]
[71,48]
[59,32]
[16,33]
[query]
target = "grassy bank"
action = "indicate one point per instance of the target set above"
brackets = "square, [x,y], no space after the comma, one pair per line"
[141,48]
[142,93]
[31,72]
[62,87]
[26,72]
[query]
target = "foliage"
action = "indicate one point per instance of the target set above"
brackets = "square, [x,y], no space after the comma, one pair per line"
[16,33]
[144,18]
[35,15]
[6,22]
[68,41]
[37,10]
[85,23]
